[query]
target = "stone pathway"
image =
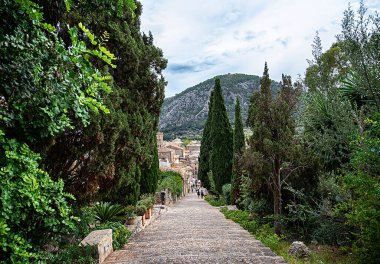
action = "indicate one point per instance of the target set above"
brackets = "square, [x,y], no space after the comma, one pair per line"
[192,231]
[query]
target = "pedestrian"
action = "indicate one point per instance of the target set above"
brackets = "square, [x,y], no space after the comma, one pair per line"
[202,194]
[198,193]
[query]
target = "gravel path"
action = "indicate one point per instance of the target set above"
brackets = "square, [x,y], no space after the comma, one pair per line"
[192,231]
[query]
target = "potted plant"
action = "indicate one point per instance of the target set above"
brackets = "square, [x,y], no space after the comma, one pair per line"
[140,211]
[130,215]
[148,201]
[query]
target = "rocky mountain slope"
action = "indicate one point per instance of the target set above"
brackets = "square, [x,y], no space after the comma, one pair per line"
[184,114]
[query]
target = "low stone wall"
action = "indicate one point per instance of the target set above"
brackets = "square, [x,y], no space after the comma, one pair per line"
[168,198]
[158,210]
[102,239]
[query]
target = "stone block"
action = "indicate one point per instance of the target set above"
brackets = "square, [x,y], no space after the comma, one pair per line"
[102,239]
[299,250]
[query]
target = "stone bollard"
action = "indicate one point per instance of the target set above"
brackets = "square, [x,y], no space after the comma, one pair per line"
[102,239]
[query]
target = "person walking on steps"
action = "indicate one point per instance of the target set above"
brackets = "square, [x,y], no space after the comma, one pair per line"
[202,194]
[198,193]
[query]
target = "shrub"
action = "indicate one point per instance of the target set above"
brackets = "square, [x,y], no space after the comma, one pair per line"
[130,211]
[86,220]
[107,212]
[214,200]
[120,234]
[147,200]
[172,181]
[140,208]
[74,254]
[226,189]
[33,206]
[267,236]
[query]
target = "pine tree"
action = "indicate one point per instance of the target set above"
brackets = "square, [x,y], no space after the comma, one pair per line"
[239,144]
[222,142]
[204,156]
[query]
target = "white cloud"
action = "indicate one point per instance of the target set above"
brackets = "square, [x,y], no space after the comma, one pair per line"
[205,38]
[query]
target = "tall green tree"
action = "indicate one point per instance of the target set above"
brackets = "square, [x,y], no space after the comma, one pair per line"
[106,159]
[239,145]
[51,85]
[222,141]
[270,144]
[327,118]
[206,147]
[360,40]
[150,174]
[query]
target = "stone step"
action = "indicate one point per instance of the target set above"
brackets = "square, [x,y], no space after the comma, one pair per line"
[192,231]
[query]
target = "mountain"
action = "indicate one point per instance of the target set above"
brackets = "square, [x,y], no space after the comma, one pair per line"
[184,114]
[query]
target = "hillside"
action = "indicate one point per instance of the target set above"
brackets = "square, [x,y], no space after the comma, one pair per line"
[184,114]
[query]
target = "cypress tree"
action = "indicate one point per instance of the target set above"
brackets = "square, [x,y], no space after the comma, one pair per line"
[222,142]
[239,145]
[271,150]
[106,159]
[204,156]
[150,175]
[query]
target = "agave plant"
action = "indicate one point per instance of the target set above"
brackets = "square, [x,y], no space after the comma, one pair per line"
[106,212]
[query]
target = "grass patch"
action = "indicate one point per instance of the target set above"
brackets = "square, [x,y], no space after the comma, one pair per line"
[265,233]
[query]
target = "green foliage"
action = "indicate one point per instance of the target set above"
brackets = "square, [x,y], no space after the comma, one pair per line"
[120,234]
[172,181]
[106,212]
[150,175]
[206,147]
[272,155]
[76,254]
[221,141]
[34,207]
[113,158]
[186,142]
[239,146]
[327,118]
[147,200]
[360,38]
[226,191]
[140,208]
[59,85]
[363,183]
[130,212]
[215,200]
[86,220]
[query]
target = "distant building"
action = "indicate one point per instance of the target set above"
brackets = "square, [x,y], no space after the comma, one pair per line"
[194,147]
[160,140]
[174,157]
[176,142]
[166,154]
[178,150]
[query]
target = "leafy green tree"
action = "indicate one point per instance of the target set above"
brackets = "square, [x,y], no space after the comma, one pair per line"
[56,87]
[360,38]
[51,85]
[105,160]
[222,141]
[206,146]
[239,145]
[172,181]
[327,119]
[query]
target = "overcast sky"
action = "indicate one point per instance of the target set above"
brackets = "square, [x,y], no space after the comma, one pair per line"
[205,38]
